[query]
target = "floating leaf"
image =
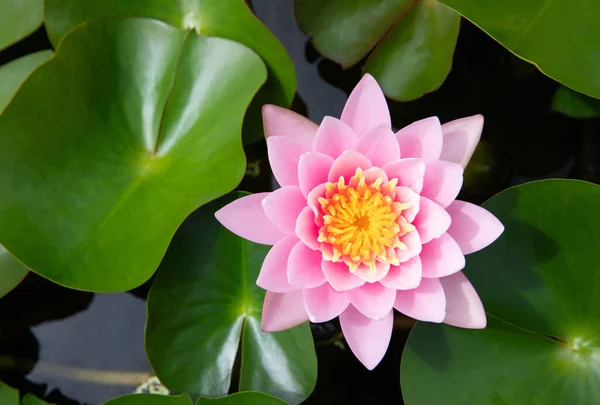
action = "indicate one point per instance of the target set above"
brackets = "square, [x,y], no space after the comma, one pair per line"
[18,19]
[14,73]
[539,284]
[574,104]
[242,398]
[204,306]
[30,399]
[136,125]
[150,399]
[8,395]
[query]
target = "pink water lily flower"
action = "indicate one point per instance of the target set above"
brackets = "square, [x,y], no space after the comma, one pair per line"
[365,221]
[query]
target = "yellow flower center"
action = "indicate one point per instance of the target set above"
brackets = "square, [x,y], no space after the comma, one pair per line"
[362,222]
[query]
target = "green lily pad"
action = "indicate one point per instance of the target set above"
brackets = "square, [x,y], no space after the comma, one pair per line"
[574,104]
[8,395]
[136,125]
[559,37]
[413,42]
[539,284]
[242,398]
[30,399]
[230,19]
[14,73]
[11,272]
[18,19]
[150,399]
[205,306]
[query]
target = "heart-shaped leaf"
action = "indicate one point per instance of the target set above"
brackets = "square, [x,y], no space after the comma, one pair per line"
[19,18]
[30,399]
[539,284]
[106,148]
[559,37]
[14,73]
[11,272]
[230,19]
[413,42]
[242,398]
[8,395]
[150,399]
[205,306]
[574,104]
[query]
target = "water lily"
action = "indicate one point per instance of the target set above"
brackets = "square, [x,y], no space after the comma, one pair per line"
[366,220]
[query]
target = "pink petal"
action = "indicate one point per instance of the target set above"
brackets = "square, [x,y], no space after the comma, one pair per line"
[339,276]
[443,181]
[432,221]
[313,169]
[368,339]
[373,174]
[461,138]
[463,306]
[313,201]
[421,139]
[373,300]
[304,267]
[365,273]
[284,155]
[283,206]
[323,303]
[407,195]
[273,273]
[473,227]
[246,218]
[426,303]
[409,172]
[346,165]
[406,276]
[366,107]
[279,121]
[306,228]
[334,137]
[282,311]
[380,146]
[441,257]
[412,241]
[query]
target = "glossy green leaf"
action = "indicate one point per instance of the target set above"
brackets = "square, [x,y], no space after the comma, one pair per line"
[136,125]
[242,398]
[14,73]
[30,399]
[8,395]
[346,30]
[415,57]
[230,19]
[150,399]
[539,284]
[204,306]
[11,272]
[18,19]
[560,37]
[574,104]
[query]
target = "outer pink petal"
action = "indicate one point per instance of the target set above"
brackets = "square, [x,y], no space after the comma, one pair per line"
[304,267]
[406,276]
[306,228]
[409,172]
[273,273]
[323,303]
[432,221]
[461,138]
[245,217]
[426,303]
[365,273]
[366,107]
[284,154]
[373,300]
[282,311]
[407,195]
[283,206]
[463,306]
[380,146]
[313,169]
[473,227]
[421,139]
[443,181]
[346,165]
[334,137]
[412,240]
[441,257]
[279,121]
[340,278]
[368,339]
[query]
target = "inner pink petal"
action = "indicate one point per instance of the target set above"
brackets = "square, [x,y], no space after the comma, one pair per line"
[338,275]
[426,303]
[373,300]
[346,165]
[372,276]
[406,276]
[334,137]
[306,228]
[431,221]
[313,169]
[443,181]
[409,172]
[304,267]
[323,303]
[441,257]
[380,146]
[273,273]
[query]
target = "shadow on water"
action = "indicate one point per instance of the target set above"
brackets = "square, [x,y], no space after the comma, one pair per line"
[73,347]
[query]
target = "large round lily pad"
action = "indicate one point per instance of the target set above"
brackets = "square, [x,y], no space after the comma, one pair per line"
[539,283]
